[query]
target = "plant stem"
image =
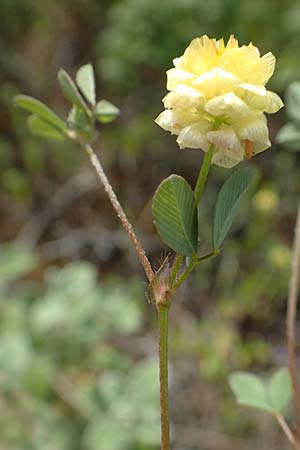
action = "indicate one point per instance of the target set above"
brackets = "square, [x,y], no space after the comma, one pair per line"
[176,266]
[192,266]
[120,212]
[202,177]
[163,313]
[186,273]
[291,320]
[287,431]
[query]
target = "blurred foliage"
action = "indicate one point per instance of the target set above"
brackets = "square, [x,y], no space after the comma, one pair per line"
[289,134]
[71,348]
[62,385]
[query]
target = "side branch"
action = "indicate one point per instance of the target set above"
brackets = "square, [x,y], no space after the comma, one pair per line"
[291,320]
[120,212]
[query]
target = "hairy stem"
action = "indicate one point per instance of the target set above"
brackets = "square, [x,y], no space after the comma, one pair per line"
[202,177]
[120,212]
[186,273]
[176,266]
[287,431]
[163,313]
[291,320]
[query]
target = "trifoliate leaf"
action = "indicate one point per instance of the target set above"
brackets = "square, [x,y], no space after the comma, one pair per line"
[272,395]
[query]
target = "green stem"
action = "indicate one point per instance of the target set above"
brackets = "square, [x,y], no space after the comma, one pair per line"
[163,313]
[192,266]
[186,273]
[202,177]
[176,266]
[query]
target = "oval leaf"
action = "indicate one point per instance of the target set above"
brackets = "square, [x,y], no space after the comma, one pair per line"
[228,202]
[41,128]
[250,390]
[105,111]
[280,390]
[70,90]
[85,80]
[293,101]
[35,106]
[175,215]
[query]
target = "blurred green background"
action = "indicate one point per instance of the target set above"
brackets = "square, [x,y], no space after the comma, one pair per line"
[78,367]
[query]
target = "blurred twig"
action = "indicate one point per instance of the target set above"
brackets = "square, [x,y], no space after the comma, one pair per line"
[37,224]
[291,321]
[286,429]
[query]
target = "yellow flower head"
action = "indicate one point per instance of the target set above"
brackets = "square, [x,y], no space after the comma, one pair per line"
[218,96]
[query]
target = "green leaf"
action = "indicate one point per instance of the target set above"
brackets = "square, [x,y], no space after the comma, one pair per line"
[39,127]
[70,91]
[228,202]
[79,122]
[85,80]
[175,215]
[35,106]
[250,390]
[105,111]
[293,101]
[280,390]
[289,135]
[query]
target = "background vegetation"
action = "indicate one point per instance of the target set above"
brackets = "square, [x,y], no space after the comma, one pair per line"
[77,339]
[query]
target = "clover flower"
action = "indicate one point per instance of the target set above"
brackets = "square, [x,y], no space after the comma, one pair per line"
[218,96]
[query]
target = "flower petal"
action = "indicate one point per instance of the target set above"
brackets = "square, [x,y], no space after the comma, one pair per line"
[201,55]
[232,42]
[227,104]
[184,97]
[268,62]
[225,160]
[169,122]
[258,147]
[245,62]
[176,76]
[194,136]
[259,98]
[216,82]
[174,121]
[253,129]
[226,140]
[165,120]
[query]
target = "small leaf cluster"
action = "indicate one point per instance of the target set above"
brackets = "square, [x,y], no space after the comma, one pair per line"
[176,213]
[289,135]
[272,396]
[83,116]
